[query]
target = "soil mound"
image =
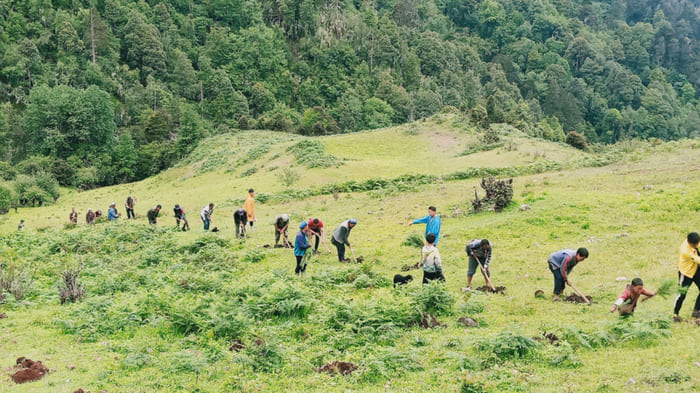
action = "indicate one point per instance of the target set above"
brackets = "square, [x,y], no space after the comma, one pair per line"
[468,322]
[539,293]
[499,290]
[574,298]
[3,315]
[342,368]
[30,371]
[551,338]
[237,346]
[406,268]
[429,321]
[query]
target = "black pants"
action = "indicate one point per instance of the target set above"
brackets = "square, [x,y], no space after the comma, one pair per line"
[299,269]
[130,213]
[317,240]
[427,277]
[685,282]
[240,226]
[340,248]
[559,283]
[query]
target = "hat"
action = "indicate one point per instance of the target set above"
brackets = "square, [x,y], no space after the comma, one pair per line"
[352,221]
[113,204]
[303,225]
[22,220]
[285,217]
[637,281]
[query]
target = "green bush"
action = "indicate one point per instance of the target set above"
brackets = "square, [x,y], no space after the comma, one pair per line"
[434,298]
[311,153]
[254,255]
[508,345]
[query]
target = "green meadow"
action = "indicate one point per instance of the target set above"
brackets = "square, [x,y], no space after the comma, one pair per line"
[172,311]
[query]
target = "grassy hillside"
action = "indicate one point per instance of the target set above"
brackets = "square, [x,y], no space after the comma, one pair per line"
[162,307]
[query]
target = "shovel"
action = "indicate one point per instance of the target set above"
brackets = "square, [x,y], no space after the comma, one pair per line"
[353,253]
[581,294]
[483,271]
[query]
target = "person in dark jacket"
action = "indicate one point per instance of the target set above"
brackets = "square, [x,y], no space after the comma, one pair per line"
[340,237]
[73,217]
[561,263]
[301,244]
[240,218]
[90,216]
[153,213]
[129,205]
[281,225]
[481,249]
[181,217]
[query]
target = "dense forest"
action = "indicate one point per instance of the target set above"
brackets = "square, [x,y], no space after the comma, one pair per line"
[97,92]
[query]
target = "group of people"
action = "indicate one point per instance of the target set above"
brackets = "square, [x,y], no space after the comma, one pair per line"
[560,263]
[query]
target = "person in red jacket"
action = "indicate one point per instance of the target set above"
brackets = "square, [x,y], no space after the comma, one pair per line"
[627,301]
[316,229]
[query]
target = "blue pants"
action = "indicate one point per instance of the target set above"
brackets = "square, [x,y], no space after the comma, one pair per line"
[559,283]
[206,224]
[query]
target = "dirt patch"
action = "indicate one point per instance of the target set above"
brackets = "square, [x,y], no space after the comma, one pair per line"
[468,322]
[676,318]
[30,371]
[539,293]
[406,268]
[266,246]
[429,321]
[499,290]
[3,315]
[550,338]
[79,391]
[237,346]
[575,298]
[342,368]
[280,246]
[697,321]
[360,259]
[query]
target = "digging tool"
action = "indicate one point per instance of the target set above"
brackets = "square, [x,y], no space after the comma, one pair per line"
[483,271]
[580,294]
[322,241]
[353,253]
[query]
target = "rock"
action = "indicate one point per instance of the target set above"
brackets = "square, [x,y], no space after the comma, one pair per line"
[697,364]
[468,322]
[623,234]
[72,367]
[621,279]
[524,207]
[648,187]
[630,382]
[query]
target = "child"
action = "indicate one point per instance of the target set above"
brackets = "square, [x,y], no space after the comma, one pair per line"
[430,261]
[301,244]
[627,301]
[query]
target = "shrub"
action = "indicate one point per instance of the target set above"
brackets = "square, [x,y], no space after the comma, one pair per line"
[285,300]
[250,171]
[71,290]
[413,240]
[471,384]
[311,154]
[507,345]
[288,176]
[434,298]
[262,355]
[576,140]
[254,256]
[499,194]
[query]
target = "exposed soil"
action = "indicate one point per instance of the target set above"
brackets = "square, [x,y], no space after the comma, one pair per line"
[266,246]
[3,315]
[280,246]
[30,371]
[697,321]
[550,337]
[336,367]
[429,321]
[468,322]
[499,290]
[575,298]
[676,318]
[360,259]
[236,345]
[79,391]
[539,293]
[406,268]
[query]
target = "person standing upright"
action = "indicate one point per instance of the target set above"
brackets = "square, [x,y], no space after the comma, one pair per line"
[73,217]
[205,215]
[249,206]
[688,273]
[129,205]
[432,223]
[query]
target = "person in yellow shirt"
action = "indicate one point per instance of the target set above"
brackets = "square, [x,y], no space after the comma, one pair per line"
[249,206]
[688,273]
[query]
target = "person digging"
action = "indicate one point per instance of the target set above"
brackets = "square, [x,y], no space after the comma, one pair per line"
[340,238]
[561,263]
[479,251]
[281,225]
[627,301]
[316,230]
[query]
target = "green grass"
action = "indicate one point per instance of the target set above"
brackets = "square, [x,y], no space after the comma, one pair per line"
[162,306]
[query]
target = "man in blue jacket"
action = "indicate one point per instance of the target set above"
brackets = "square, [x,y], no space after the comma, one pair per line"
[561,263]
[112,213]
[301,244]
[432,223]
